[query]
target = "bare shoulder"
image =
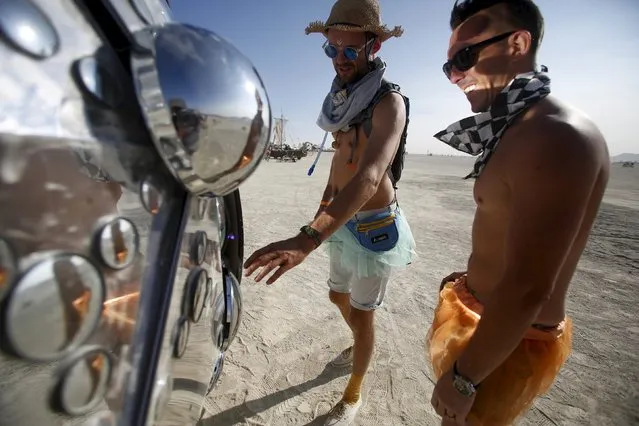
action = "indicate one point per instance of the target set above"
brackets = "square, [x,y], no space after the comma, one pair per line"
[389,110]
[557,139]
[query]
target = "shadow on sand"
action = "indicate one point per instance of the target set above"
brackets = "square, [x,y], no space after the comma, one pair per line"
[240,413]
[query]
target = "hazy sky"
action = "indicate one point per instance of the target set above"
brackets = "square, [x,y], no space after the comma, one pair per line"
[590,47]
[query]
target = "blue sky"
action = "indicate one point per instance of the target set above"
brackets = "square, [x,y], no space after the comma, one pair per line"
[590,48]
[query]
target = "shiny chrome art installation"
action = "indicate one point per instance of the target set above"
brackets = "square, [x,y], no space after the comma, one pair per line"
[124,138]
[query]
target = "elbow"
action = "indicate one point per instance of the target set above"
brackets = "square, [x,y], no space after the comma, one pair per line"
[528,292]
[369,183]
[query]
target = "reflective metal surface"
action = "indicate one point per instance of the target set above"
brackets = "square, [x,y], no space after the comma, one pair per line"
[104,254]
[83,381]
[54,307]
[117,243]
[199,243]
[195,293]
[205,105]
[68,160]
[233,308]
[151,195]
[97,81]
[8,267]
[30,30]
[198,325]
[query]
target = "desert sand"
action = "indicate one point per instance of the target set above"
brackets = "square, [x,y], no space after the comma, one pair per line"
[276,371]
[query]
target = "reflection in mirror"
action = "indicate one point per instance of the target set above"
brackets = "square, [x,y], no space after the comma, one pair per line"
[54,307]
[217,371]
[118,243]
[8,267]
[233,311]
[205,104]
[195,293]
[207,295]
[150,196]
[199,241]
[181,336]
[97,81]
[217,215]
[84,382]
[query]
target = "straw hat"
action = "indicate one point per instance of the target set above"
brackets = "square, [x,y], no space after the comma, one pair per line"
[355,15]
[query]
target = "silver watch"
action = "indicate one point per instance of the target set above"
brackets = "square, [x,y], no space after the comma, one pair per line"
[463,384]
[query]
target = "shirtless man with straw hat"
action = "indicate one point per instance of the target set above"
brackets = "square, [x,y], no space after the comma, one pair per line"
[358,217]
[500,333]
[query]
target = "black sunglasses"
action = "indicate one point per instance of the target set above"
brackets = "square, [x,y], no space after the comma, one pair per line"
[466,58]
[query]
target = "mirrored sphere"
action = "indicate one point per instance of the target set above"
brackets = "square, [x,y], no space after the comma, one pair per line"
[205,104]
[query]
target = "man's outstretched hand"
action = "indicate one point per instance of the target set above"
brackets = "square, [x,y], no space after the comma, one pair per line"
[279,256]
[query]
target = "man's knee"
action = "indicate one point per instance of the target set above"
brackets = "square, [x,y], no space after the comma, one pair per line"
[340,299]
[361,320]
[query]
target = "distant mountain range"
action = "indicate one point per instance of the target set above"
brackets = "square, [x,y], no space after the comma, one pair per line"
[625,157]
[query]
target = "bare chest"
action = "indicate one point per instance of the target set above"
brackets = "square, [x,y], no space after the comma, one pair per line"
[491,192]
[349,147]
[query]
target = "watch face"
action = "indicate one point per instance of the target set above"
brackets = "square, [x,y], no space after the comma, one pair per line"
[463,386]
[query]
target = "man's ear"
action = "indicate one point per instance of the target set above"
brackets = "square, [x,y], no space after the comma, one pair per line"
[520,43]
[377,44]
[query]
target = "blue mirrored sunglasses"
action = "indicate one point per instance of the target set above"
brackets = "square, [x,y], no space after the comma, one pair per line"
[350,53]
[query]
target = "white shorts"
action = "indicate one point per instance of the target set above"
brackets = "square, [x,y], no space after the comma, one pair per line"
[367,293]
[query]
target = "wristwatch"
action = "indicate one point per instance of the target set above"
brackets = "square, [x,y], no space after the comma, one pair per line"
[463,384]
[312,234]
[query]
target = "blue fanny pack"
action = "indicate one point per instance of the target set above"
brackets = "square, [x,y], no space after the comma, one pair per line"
[376,233]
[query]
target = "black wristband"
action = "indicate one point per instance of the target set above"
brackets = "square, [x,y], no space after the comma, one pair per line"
[312,234]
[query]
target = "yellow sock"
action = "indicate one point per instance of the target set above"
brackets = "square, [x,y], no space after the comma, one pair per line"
[353,389]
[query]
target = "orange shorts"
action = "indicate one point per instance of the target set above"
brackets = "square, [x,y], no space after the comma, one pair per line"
[527,373]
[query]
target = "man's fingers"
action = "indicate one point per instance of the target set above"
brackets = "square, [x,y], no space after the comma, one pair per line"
[268,268]
[257,254]
[447,421]
[280,271]
[437,406]
[259,261]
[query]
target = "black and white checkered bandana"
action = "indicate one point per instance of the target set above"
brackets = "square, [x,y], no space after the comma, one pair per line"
[480,134]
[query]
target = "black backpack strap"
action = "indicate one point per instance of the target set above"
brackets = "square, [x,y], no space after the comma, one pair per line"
[365,120]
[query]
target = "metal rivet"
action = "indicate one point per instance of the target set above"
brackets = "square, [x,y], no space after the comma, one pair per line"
[117,243]
[27,28]
[199,242]
[8,267]
[150,196]
[181,337]
[96,80]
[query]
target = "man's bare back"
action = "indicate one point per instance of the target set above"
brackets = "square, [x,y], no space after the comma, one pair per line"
[493,193]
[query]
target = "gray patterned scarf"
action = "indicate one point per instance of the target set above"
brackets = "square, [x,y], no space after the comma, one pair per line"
[480,134]
[342,104]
